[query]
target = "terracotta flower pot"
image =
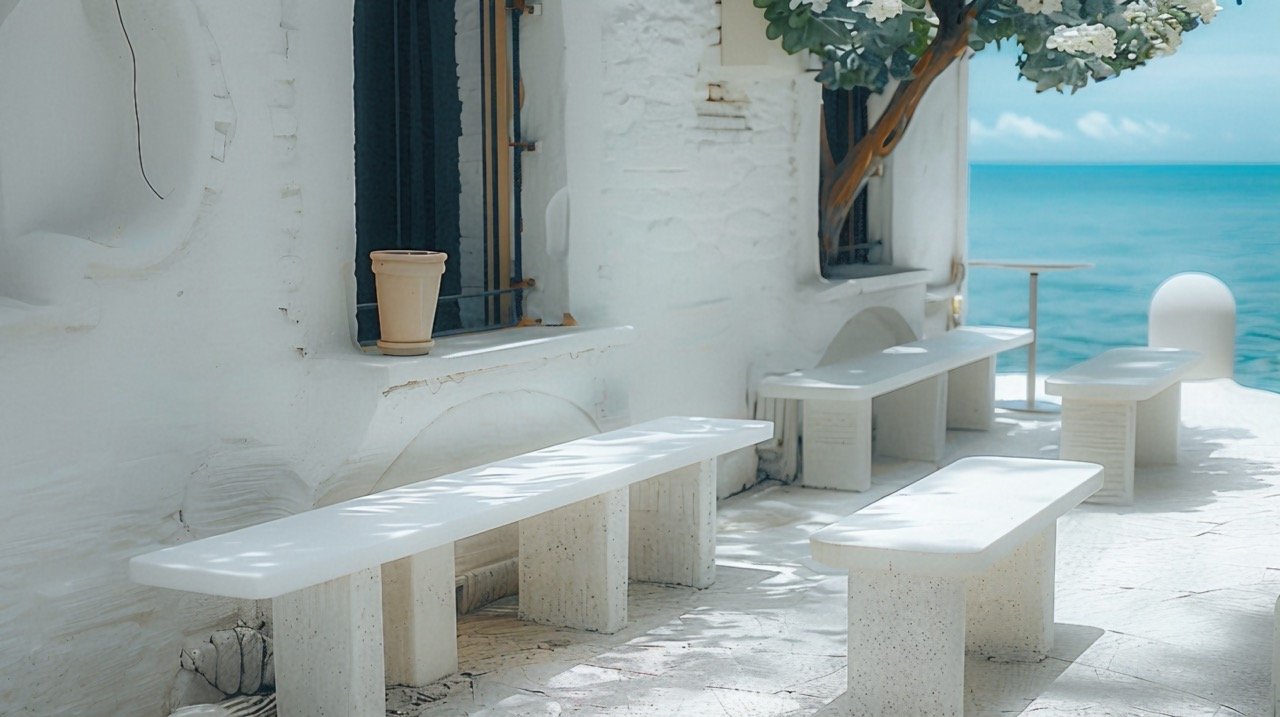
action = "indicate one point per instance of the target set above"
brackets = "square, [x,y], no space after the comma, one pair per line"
[408,285]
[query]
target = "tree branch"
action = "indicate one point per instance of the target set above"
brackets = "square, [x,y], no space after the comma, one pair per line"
[827,159]
[851,174]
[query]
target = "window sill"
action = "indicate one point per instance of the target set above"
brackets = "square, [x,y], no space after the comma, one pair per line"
[456,356]
[865,279]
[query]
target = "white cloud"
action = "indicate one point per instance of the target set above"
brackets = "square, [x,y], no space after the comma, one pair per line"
[1100,126]
[1014,126]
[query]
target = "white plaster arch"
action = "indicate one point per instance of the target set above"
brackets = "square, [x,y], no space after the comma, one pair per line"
[487,428]
[873,329]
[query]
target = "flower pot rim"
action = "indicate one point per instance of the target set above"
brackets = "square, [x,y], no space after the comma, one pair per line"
[408,254]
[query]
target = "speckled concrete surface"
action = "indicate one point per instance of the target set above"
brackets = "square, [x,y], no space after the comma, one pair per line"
[1164,607]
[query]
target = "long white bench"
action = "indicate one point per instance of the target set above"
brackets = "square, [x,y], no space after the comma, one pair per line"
[374,576]
[1121,408]
[963,558]
[919,389]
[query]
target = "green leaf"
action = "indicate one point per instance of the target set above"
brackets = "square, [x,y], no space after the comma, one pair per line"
[793,40]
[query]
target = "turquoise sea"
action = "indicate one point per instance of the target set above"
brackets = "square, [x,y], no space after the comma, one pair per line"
[1138,225]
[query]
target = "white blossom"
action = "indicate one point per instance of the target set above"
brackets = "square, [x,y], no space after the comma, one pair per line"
[1206,9]
[1153,20]
[816,6]
[1040,7]
[878,10]
[1097,40]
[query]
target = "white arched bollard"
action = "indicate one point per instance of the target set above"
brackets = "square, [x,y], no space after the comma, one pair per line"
[1196,311]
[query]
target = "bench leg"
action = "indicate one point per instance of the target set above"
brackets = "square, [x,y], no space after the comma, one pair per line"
[328,648]
[1010,607]
[836,441]
[971,394]
[906,645]
[912,421]
[419,618]
[1158,421]
[673,527]
[1102,432]
[573,565]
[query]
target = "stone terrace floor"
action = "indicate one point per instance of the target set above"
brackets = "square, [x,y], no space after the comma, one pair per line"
[1163,608]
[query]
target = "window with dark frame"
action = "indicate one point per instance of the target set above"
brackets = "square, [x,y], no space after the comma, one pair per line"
[424,162]
[845,122]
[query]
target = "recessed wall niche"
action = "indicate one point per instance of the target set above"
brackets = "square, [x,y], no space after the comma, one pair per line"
[71,189]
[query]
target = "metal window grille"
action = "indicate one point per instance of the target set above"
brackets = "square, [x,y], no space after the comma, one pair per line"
[408,125]
[845,121]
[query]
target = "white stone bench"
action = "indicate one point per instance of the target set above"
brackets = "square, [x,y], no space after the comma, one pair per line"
[963,558]
[1121,408]
[919,389]
[374,576]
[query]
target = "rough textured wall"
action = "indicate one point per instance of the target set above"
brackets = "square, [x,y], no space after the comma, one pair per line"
[172,368]
[693,190]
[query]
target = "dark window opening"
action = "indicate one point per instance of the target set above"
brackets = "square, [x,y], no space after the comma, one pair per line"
[415,161]
[845,122]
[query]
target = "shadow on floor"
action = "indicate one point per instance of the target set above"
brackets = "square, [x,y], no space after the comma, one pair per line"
[1005,688]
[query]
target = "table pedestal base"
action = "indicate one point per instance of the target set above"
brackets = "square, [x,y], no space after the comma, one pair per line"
[1022,406]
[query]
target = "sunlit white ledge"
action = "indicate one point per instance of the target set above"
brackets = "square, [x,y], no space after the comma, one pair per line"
[471,353]
[864,280]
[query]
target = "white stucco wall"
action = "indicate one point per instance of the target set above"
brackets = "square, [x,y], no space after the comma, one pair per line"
[694,190]
[180,367]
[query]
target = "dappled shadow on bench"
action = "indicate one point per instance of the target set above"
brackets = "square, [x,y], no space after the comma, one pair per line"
[304,549]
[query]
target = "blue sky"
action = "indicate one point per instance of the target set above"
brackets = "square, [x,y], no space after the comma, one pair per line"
[1216,100]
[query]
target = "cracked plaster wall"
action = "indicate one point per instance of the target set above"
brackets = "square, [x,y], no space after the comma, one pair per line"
[187,366]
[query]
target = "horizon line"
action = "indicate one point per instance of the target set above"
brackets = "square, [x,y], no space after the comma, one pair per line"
[1186,163]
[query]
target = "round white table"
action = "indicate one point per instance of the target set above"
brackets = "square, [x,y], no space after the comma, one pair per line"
[1034,269]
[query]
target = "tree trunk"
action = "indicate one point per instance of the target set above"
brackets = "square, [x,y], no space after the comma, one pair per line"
[841,185]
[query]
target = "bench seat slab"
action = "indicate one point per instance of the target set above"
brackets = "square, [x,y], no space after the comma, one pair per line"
[836,443]
[906,645]
[573,565]
[328,648]
[673,527]
[1102,432]
[911,422]
[971,393]
[1010,606]
[1157,431]
[419,618]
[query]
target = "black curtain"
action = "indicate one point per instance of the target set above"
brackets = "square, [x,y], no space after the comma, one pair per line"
[407,119]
